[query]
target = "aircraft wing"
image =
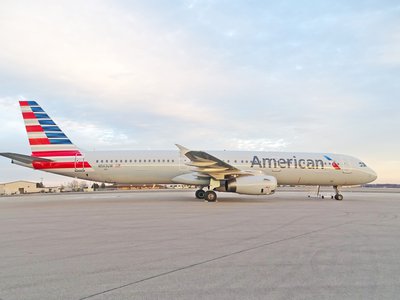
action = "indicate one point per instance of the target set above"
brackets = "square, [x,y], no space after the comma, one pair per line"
[207,165]
[25,159]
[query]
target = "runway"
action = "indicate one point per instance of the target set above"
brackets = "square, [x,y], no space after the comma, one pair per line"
[168,245]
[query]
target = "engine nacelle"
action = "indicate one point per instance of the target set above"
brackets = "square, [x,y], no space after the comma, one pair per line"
[252,185]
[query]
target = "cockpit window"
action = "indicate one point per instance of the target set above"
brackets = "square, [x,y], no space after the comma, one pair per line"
[362,165]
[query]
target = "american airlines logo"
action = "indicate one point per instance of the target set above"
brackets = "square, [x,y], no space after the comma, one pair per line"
[334,164]
[292,163]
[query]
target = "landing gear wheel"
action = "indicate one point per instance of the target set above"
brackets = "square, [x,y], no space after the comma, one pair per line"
[200,194]
[339,197]
[210,196]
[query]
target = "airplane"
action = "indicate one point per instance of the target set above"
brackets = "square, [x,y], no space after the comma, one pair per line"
[242,172]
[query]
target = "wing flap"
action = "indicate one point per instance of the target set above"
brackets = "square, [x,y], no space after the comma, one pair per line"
[201,163]
[210,170]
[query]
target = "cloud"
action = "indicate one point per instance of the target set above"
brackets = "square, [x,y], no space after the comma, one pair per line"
[12,126]
[109,55]
[95,136]
[390,55]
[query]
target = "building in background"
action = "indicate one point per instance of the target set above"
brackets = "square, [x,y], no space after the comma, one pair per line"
[25,187]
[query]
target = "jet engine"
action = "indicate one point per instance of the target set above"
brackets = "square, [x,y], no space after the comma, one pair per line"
[252,185]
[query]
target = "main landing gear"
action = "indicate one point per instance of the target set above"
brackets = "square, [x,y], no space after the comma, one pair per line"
[338,196]
[209,196]
[200,194]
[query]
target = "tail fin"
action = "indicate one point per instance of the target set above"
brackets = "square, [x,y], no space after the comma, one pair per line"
[45,137]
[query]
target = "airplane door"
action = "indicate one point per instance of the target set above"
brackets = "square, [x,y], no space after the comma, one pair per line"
[79,163]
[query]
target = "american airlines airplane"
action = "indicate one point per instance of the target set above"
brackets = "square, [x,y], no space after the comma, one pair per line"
[242,172]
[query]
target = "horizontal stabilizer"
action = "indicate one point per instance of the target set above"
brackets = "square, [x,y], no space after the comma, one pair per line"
[25,159]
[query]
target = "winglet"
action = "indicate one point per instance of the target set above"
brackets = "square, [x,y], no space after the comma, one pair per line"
[182,149]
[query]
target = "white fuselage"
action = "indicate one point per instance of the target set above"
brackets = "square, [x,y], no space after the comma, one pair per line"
[161,167]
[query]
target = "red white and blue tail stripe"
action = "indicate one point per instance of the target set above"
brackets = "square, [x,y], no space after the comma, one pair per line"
[48,141]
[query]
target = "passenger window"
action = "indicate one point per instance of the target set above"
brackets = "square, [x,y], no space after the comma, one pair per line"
[167,160]
[140,160]
[97,161]
[163,160]
[154,160]
[111,161]
[106,160]
[158,160]
[101,161]
[172,160]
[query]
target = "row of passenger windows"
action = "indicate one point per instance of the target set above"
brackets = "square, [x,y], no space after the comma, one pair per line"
[152,160]
[134,161]
[172,160]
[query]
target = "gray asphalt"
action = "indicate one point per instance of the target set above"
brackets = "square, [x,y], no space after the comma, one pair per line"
[167,245]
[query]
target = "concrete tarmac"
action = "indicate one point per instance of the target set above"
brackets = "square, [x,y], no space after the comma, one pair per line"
[168,245]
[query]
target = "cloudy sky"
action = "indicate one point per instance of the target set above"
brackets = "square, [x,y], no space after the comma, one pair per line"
[317,76]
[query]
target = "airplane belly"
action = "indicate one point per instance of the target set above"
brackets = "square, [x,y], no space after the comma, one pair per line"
[309,177]
[133,175]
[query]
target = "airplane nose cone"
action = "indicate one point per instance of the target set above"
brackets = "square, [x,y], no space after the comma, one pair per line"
[372,175]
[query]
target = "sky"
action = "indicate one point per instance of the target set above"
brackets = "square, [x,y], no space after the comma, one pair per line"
[313,76]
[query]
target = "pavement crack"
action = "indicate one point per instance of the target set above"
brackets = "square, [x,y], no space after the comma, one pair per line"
[213,259]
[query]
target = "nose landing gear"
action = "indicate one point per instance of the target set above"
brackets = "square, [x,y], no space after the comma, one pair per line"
[338,196]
